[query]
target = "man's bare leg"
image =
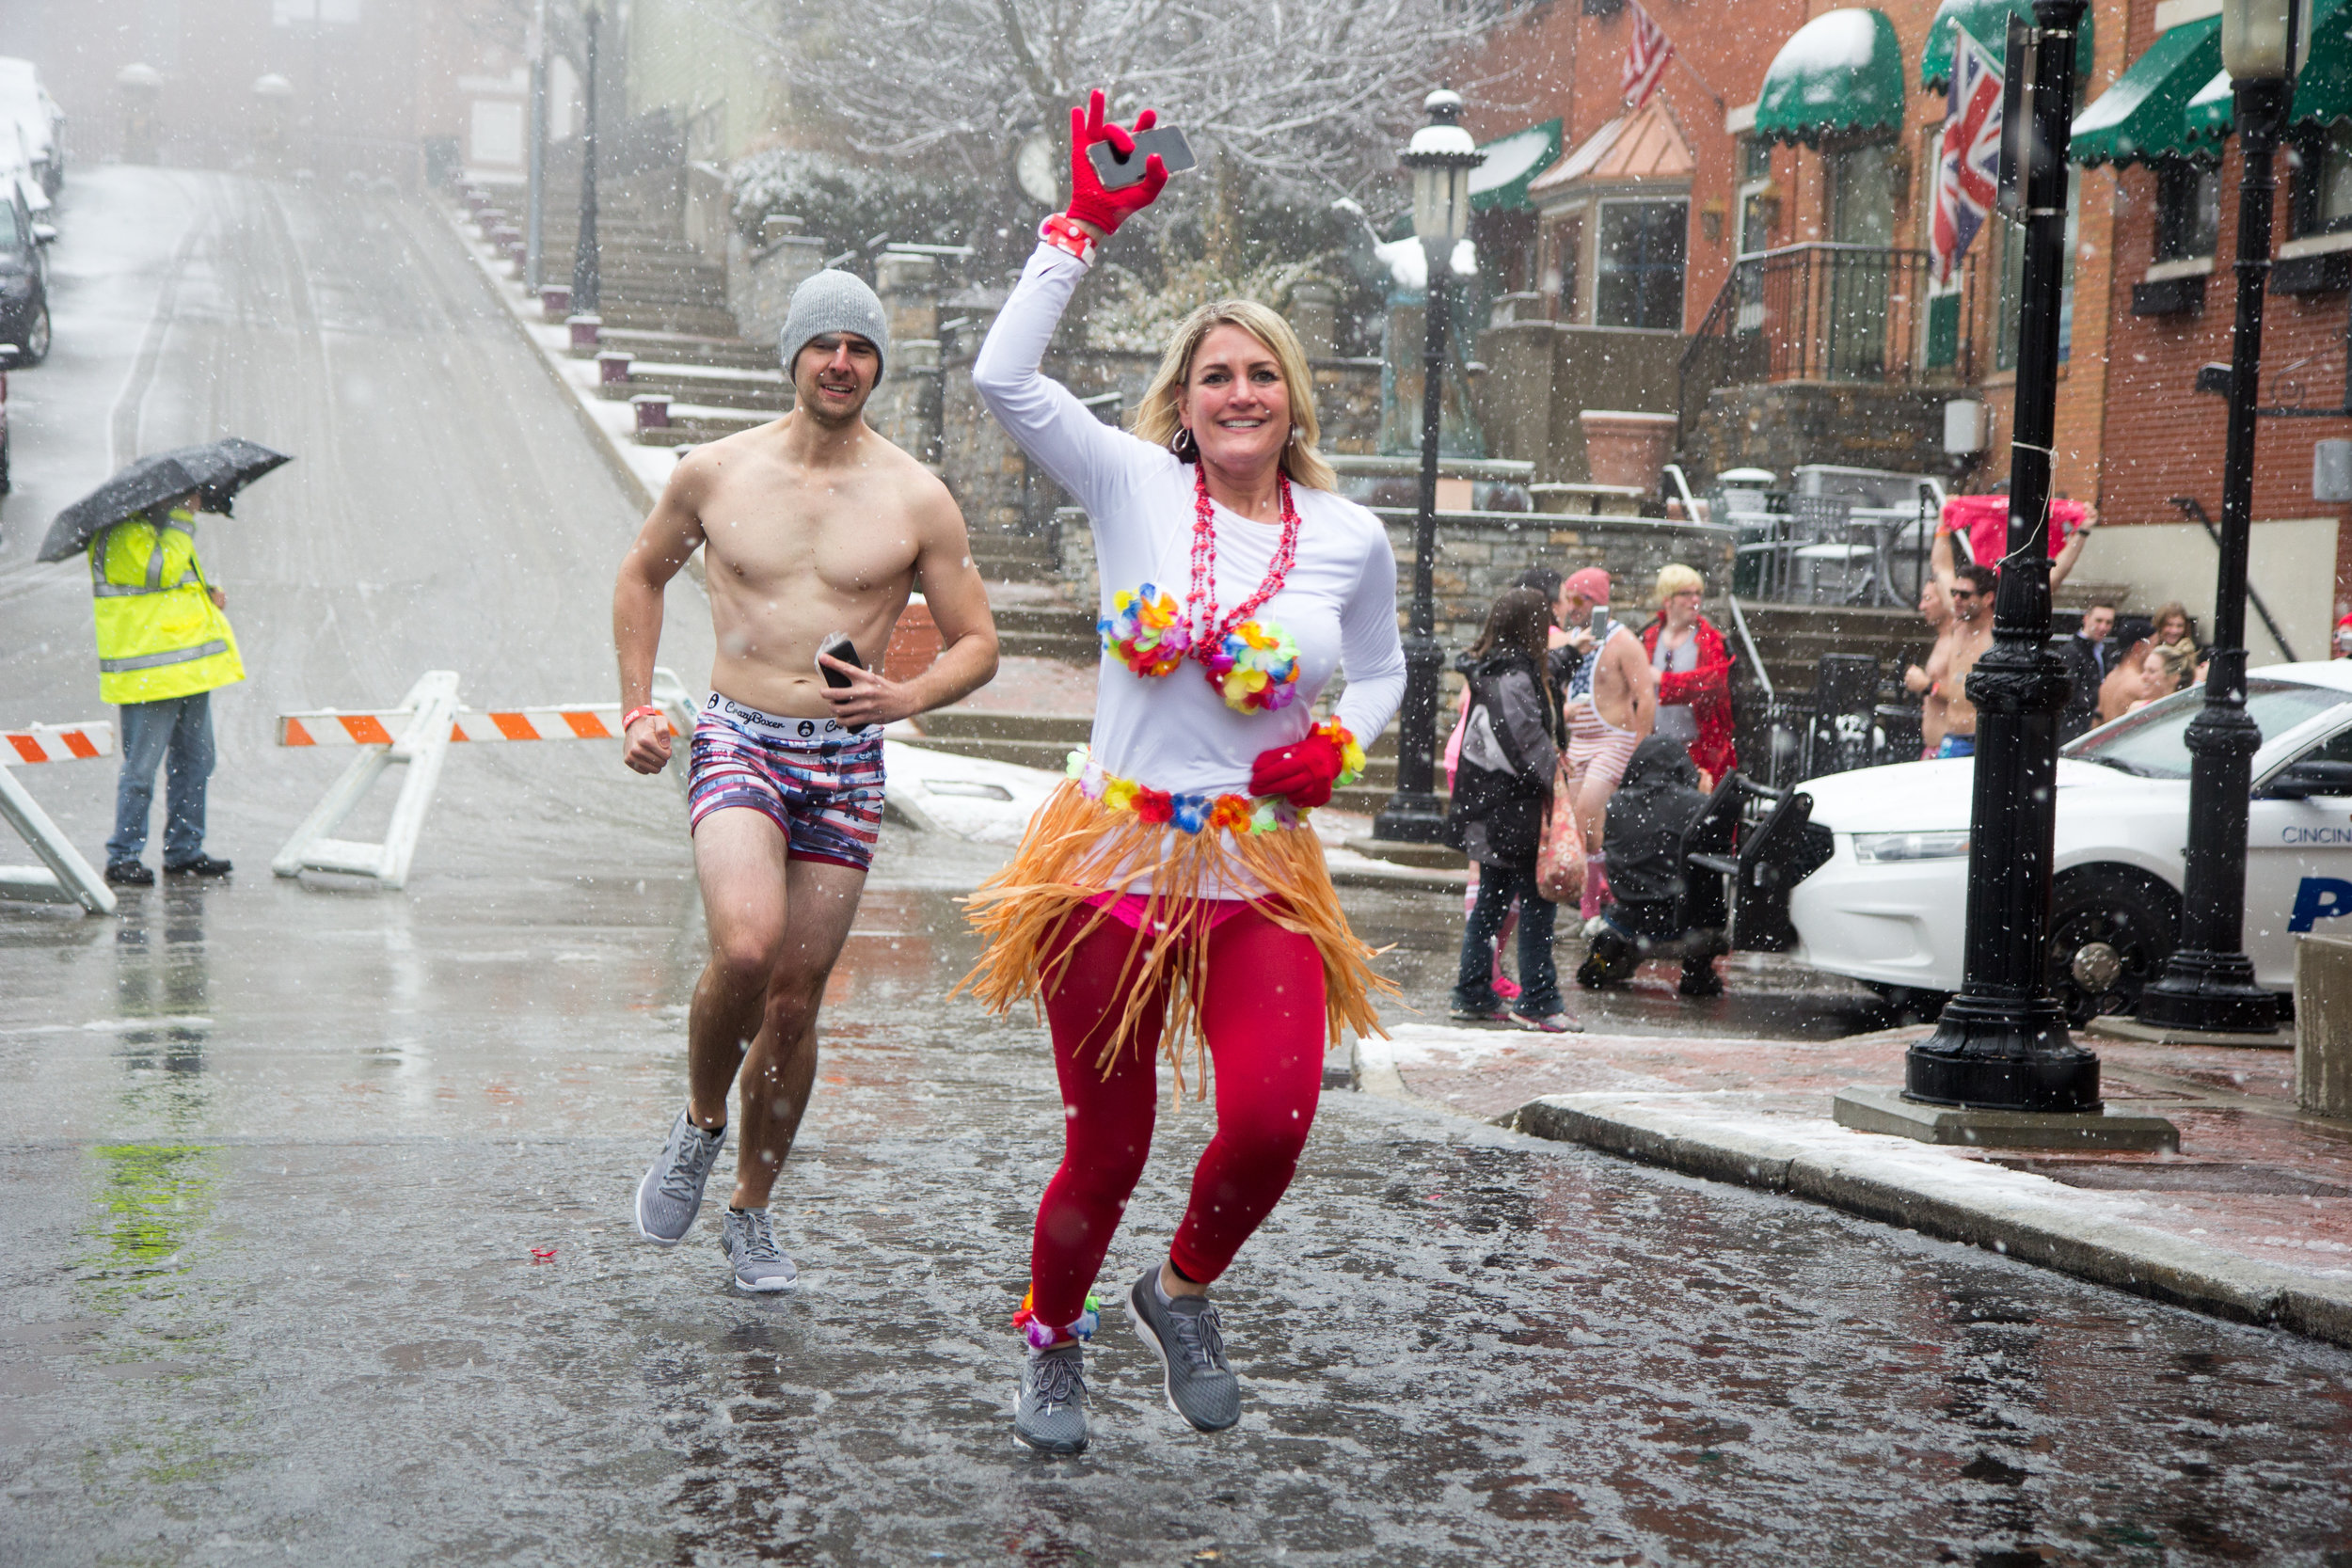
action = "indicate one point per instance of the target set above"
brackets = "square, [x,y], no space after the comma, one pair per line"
[740,862]
[821,901]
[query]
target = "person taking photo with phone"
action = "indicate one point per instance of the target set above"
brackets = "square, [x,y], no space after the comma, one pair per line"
[815,530]
[1172,896]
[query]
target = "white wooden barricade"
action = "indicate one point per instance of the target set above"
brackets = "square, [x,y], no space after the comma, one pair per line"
[418,734]
[63,877]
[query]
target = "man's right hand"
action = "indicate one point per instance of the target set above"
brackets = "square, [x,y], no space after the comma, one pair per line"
[646,746]
[1914,679]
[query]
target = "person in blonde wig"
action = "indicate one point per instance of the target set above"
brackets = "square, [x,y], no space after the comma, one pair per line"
[1172,896]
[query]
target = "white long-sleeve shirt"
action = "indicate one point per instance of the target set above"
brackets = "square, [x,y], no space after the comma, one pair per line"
[1174,732]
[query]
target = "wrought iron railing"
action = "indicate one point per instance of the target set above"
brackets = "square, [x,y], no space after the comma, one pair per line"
[1822,311]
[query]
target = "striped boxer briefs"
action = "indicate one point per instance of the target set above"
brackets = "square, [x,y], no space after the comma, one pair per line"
[820,784]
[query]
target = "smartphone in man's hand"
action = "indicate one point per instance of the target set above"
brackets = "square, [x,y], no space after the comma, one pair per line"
[837,646]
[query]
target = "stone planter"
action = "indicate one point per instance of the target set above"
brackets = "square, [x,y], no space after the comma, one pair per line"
[1626,448]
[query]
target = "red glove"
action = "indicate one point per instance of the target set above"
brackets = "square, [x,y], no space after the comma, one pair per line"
[1088,201]
[1303,771]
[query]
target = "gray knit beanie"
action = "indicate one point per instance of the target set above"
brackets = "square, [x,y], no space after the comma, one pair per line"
[832,301]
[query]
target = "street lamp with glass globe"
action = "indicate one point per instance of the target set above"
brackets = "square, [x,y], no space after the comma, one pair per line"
[2208,984]
[585,280]
[1441,156]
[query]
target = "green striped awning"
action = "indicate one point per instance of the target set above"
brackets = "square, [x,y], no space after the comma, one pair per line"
[1512,163]
[2144,114]
[1987,22]
[1839,75]
[2323,93]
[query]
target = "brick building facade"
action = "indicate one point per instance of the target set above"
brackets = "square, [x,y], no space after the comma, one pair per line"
[2131,433]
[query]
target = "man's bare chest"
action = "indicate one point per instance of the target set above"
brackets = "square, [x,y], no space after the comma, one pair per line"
[851,541]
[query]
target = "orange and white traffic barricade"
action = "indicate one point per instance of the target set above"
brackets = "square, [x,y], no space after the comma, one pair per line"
[63,877]
[417,736]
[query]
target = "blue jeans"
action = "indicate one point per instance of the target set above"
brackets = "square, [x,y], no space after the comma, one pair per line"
[177,732]
[1539,977]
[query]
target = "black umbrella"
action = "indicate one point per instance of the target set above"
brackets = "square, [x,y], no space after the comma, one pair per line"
[216,471]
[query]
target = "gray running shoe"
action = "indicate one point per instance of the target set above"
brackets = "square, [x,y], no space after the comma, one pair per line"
[1051,1413]
[1191,1345]
[671,1193]
[749,1241]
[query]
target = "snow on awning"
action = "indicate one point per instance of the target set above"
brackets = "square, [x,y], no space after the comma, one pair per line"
[1512,163]
[2323,92]
[2144,114]
[1987,22]
[1839,75]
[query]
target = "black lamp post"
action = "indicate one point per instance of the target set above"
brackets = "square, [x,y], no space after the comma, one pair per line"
[1441,156]
[584,258]
[2208,984]
[2002,1042]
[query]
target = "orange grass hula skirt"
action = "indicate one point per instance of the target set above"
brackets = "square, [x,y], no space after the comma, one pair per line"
[1077,849]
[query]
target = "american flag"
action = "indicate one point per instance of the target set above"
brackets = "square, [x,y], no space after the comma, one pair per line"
[1647,53]
[1968,167]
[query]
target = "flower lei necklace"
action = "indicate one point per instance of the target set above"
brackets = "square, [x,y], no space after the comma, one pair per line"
[1254,667]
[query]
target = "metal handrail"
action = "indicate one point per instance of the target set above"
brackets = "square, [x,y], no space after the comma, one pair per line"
[1739,623]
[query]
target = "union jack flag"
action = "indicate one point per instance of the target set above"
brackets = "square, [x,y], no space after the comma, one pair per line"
[1647,53]
[1967,170]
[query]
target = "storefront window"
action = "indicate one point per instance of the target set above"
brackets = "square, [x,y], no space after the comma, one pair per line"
[1638,277]
[2188,209]
[2323,186]
[2012,240]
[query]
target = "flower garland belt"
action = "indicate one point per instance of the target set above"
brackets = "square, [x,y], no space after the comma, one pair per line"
[1193,813]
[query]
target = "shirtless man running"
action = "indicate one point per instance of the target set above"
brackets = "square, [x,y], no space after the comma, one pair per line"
[811,525]
[1936,610]
[1612,705]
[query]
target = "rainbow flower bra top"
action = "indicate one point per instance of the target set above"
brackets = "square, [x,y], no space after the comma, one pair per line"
[1193,813]
[1254,666]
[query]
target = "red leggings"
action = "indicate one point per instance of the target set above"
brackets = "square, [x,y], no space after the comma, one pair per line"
[1263,1015]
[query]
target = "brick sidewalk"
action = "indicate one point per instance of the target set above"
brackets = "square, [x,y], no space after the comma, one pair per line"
[2257,1202]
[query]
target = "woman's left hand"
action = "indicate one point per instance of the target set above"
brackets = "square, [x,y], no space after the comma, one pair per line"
[1302,772]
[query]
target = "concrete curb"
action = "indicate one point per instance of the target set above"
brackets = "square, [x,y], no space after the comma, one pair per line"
[1989,1207]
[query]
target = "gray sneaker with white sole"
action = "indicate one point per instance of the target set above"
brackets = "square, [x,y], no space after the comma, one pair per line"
[1190,1342]
[671,1193]
[1050,1415]
[749,1241]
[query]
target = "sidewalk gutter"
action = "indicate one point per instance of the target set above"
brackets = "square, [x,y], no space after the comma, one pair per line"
[2012,1212]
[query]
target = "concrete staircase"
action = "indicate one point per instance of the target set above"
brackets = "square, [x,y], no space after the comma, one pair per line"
[1791,640]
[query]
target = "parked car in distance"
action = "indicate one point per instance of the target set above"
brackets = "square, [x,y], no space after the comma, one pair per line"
[1889,906]
[23,282]
[25,100]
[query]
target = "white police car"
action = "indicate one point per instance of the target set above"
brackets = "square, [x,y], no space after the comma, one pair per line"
[1888,908]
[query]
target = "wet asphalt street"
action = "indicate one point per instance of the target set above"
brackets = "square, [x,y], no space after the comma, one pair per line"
[274,1156]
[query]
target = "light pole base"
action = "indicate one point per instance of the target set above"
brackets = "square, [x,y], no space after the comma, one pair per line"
[1999,1054]
[2214,993]
[1415,818]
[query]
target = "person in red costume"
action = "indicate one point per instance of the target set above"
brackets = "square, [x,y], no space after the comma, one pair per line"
[1694,675]
[1170,898]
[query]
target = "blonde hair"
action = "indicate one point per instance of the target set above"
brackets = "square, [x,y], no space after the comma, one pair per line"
[1673,578]
[1156,420]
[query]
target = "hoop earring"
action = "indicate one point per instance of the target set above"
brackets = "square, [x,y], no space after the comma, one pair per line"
[1184,446]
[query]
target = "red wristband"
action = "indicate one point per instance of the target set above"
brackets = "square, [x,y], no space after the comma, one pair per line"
[636,713]
[1064,233]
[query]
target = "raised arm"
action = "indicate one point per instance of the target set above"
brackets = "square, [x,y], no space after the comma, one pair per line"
[1085,457]
[1940,559]
[673,532]
[2064,565]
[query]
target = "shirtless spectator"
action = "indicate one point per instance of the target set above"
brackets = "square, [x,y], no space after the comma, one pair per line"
[1612,700]
[1936,610]
[1969,590]
[811,526]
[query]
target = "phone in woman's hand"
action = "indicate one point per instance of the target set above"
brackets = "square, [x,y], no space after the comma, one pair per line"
[1117,173]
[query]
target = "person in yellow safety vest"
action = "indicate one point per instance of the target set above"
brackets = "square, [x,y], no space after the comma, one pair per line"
[163,646]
